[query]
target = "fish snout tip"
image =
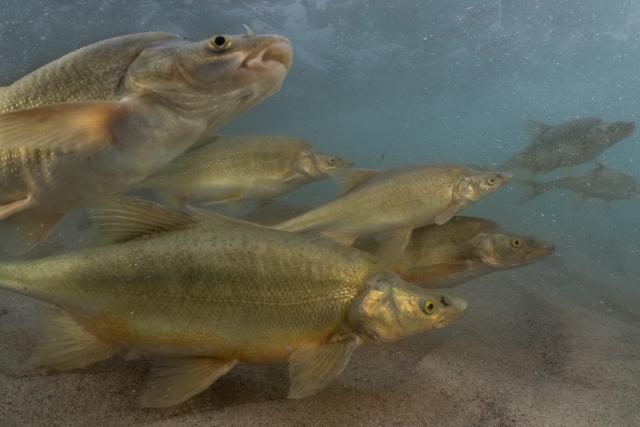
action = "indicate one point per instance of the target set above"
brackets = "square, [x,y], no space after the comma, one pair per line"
[277,51]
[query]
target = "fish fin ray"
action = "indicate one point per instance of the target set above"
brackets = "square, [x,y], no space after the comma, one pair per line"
[174,381]
[16,206]
[393,243]
[310,370]
[444,216]
[66,345]
[121,219]
[438,276]
[69,128]
[24,231]
[345,239]
[348,179]
[536,128]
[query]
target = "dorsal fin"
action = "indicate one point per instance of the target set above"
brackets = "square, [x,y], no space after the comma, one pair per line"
[535,127]
[121,219]
[348,179]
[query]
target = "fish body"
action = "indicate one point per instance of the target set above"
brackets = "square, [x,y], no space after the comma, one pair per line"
[200,297]
[461,250]
[398,201]
[106,116]
[568,144]
[236,168]
[602,183]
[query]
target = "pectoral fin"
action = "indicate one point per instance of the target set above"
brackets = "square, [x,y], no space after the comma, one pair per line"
[346,239]
[447,214]
[66,345]
[76,127]
[17,206]
[441,275]
[174,381]
[393,243]
[310,370]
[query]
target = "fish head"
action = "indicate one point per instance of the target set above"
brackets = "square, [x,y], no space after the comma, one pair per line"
[607,134]
[391,309]
[474,185]
[324,163]
[226,72]
[498,250]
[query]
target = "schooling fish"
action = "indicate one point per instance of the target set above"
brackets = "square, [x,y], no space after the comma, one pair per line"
[396,202]
[198,296]
[600,183]
[237,168]
[106,116]
[461,250]
[568,144]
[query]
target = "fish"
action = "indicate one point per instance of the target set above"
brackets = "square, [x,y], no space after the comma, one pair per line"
[225,169]
[395,202]
[568,144]
[601,182]
[198,294]
[275,212]
[461,250]
[104,117]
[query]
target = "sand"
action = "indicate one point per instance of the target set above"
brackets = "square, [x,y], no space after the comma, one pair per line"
[541,345]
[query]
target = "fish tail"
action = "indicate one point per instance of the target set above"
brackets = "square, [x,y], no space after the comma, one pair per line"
[534,189]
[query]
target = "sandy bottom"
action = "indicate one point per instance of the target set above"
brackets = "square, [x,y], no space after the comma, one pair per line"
[537,346]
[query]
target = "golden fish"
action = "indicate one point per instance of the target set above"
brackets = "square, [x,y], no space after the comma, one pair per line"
[461,250]
[106,116]
[396,202]
[199,296]
[235,168]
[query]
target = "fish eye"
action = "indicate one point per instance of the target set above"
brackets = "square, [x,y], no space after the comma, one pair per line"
[428,306]
[516,243]
[220,42]
[331,160]
[491,181]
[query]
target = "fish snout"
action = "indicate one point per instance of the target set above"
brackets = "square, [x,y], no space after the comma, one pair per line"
[277,52]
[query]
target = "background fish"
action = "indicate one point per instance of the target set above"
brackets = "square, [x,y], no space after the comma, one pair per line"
[104,117]
[568,144]
[396,201]
[461,250]
[226,169]
[199,297]
[599,183]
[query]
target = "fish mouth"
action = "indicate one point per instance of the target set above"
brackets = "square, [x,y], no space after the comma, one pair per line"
[541,252]
[277,55]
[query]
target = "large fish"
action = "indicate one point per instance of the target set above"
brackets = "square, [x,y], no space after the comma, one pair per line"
[602,183]
[568,144]
[461,250]
[396,202]
[237,168]
[106,116]
[198,296]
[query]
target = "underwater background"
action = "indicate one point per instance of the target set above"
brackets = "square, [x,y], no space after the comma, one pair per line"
[389,84]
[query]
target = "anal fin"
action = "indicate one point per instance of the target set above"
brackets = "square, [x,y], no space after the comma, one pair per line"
[174,381]
[310,370]
[66,345]
[24,231]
